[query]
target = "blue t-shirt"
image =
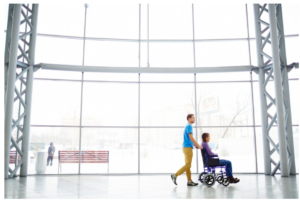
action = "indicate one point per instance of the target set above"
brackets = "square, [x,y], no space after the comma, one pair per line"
[187,142]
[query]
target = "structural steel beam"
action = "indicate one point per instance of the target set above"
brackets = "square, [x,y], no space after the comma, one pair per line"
[13,54]
[278,72]
[15,43]
[278,92]
[263,100]
[29,87]
[286,91]
[145,70]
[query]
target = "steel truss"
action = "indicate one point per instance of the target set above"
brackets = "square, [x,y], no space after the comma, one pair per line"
[271,33]
[19,64]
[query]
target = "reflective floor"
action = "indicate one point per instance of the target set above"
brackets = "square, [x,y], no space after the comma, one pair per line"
[148,187]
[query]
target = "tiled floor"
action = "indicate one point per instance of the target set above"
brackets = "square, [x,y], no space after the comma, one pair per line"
[148,187]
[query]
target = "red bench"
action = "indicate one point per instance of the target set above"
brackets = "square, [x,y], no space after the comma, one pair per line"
[86,157]
[12,157]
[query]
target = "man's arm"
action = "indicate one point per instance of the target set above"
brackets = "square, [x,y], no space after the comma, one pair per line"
[194,141]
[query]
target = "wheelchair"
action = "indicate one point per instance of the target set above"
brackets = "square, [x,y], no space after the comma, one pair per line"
[209,175]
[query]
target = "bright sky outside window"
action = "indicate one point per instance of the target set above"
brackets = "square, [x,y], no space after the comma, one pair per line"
[222,53]
[56,103]
[113,21]
[170,21]
[58,51]
[114,104]
[171,54]
[215,21]
[61,19]
[111,53]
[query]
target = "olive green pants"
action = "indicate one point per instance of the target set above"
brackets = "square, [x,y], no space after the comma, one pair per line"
[188,156]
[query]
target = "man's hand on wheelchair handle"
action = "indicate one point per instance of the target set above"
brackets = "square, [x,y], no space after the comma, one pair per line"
[200,147]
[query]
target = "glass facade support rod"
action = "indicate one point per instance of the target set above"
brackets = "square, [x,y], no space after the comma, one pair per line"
[139,96]
[81,94]
[195,87]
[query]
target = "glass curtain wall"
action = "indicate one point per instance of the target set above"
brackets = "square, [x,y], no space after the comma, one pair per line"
[139,118]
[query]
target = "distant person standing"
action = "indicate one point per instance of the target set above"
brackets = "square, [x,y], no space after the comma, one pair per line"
[51,151]
[188,143]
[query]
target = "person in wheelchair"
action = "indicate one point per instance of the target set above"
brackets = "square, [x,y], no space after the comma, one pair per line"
[226,163]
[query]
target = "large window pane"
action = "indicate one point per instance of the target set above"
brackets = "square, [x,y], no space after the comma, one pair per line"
[294,74]
[292,49]
[166,104]
[113,21]
[256,104]
[57,74]
[223,76]
[161,150]
[235,144]
[253,52]
[58,51]
[170,21]
[144,54]
[63,139]
[215,21]
[122,144]
[5,13]
[171,54]
[65,19]
[167,77]
[224,104]
[296,146]
[294,101]
[110,104]
[56,103]
[102,76]
[111,53]
[290,15]
[251,23]
[222,53]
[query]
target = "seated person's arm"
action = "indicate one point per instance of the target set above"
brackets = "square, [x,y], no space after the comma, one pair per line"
[209,152]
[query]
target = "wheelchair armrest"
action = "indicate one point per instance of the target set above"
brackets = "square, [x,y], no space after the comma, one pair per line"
[213,156]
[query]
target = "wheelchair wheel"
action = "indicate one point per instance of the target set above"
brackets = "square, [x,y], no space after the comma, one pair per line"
[209,180]
[220,178]
[226,181]
[201,176]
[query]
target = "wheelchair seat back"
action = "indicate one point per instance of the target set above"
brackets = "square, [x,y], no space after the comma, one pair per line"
[212,161]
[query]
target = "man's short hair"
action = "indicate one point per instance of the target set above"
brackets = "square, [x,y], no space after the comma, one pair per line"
[189,116]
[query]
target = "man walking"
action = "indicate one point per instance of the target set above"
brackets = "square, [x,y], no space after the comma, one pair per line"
[51,151]
[188,143]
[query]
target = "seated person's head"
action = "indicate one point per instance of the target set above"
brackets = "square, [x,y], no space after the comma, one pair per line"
[205,137]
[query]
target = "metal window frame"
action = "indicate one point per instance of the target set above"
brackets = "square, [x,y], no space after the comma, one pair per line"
[139,70]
